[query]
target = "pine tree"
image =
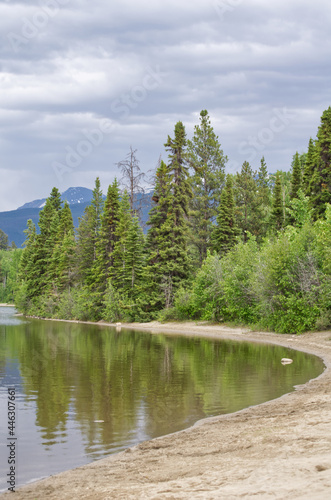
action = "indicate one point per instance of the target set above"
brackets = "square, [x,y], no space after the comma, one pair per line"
[263,205]
[206,158]
[62,268]
[49,218]
[107,238]
[134,258]
[28,275]
[309,168]
[278,207]
[156,267]
[246,201]
[296,179]
[159,212]
[3,240]
[118,271]
[167,260]
[225,232]
[88,231]
[175,229]
[320,184]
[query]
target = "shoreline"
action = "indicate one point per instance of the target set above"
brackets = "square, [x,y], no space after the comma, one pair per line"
[280,448]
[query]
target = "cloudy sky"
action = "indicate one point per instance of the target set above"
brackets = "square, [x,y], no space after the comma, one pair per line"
[83,81]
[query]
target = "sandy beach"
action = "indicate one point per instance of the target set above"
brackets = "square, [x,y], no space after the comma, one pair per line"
[280,449]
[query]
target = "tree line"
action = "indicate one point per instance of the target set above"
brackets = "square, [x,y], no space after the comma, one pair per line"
[246,247]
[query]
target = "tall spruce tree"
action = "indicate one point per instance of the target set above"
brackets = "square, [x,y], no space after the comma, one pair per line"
[207,160]
[309,168]
[225,232]
[107,237]
[62,266]
[49,219]
[88,231]
[135,258]
[296,178]
[175,228]
[119,269]
[320,184]
[28,273]
[263,205]
[156,262]
[168,262]
[277,206]
[246,189]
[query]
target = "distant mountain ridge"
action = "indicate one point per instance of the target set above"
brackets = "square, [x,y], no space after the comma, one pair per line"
[73,195]
[14,223]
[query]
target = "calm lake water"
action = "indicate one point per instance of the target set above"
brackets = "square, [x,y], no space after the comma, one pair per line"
[85,391]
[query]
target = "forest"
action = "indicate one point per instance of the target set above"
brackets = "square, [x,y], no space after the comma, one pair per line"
[249,247]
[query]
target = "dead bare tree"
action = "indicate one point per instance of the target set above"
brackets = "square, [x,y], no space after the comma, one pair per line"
[132,179]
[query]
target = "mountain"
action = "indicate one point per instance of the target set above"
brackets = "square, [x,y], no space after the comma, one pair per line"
[73,195]
[14,223]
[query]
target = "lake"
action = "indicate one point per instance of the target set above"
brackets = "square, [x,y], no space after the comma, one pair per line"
[85,391]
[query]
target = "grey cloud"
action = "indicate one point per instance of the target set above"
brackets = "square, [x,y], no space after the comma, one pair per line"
[88,63]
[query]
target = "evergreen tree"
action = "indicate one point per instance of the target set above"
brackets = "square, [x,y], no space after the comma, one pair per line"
[246,201]
[159,212]
[107,237]
[167,261]
[3,240]
[309,168]
[206,158]
[49,219]
[156,267]
[134,258]
[88,231]
[66,223]
[62,268]
[225,231]
[263,206]
[278,207]
[296,179]
[175,228]
[320,184]
[28,273]
[119,269]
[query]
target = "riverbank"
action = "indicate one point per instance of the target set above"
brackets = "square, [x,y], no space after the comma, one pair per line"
[280,449]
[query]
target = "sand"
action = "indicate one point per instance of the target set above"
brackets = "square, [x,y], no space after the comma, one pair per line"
[280,449]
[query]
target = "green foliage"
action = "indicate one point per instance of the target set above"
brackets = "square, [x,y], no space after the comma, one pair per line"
[3,240]
[107,237]
[296,180]
[225,231]
[277,214]
[9,263]
[239,267]
[88,231]
[288,284]
[115,305]
[319,167]
[263,202]
[245,189]
[168,263]
[299,210]
[207,160]
[112,272]
[285,286]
